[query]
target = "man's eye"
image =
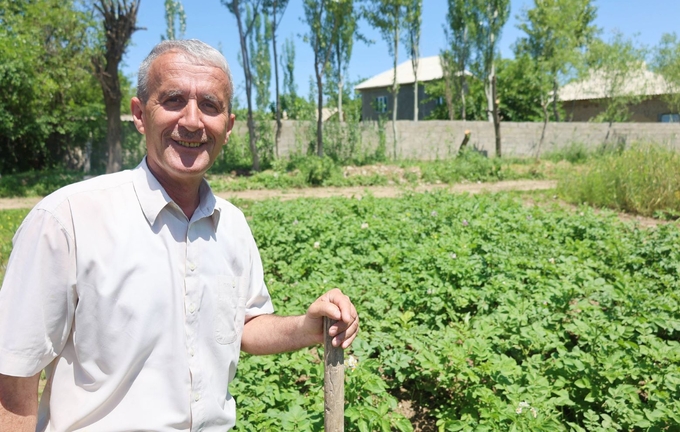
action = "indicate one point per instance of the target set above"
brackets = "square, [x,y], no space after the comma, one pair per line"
[210,108]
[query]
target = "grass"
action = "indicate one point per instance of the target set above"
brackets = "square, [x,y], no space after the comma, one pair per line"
[643,179]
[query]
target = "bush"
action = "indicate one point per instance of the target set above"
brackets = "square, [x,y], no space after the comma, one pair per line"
[470,165]
[643,179]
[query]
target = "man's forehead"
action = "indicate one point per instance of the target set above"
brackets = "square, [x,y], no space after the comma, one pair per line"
[172,71]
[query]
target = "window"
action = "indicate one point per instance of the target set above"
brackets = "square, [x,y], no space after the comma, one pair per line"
[669,118]
[440,101]
[381,104]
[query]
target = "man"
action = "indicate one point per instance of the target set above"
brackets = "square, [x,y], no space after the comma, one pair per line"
[136,291]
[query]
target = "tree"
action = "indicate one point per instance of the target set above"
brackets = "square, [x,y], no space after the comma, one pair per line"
[615,64]
[557,33]
[666,62]
[119,18]
[459,33]
[49,103]
[174,11]
[258,44]
[489,18]
[519,90]
[277,9]
[344,18]
[238,9]
[320,37]
[389,16]
[414,20]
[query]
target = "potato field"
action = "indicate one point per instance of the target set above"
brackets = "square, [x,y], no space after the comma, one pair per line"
[477,313]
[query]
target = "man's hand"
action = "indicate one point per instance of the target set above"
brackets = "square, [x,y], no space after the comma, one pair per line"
[338,307]
[18,403]
[271,334]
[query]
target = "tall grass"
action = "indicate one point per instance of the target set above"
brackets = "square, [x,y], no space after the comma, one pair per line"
[643,179]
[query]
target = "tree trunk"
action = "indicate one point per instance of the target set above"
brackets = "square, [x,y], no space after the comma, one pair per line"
[113,135]
[319,108]
[544,106]
[340,85]
[496,116]
[277,140]
[252,143]
[395,95]
[556,112]
[415,99]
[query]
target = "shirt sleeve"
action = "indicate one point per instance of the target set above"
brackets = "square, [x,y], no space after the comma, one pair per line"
[259,301]
[38,296]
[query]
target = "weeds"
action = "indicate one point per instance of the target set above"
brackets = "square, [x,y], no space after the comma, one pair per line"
[643,179]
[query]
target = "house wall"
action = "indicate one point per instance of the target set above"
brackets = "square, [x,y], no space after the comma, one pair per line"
[434,139]
[648,110]
[404,103]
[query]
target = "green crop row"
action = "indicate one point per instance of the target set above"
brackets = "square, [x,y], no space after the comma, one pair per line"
[480,312]
[477,312]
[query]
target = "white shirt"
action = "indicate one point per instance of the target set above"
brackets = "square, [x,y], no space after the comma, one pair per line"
[135,312]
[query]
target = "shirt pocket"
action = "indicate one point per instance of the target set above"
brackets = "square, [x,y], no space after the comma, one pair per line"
[230,309]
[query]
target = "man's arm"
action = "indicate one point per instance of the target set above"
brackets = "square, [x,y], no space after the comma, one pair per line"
[18,403]
[271,334]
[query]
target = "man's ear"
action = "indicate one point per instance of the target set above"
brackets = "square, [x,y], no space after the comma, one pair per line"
[230,126]
[137,109]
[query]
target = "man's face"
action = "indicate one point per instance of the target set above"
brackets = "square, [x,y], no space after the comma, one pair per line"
[186,119]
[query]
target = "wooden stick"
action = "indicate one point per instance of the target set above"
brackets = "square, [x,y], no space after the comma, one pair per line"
[333,383]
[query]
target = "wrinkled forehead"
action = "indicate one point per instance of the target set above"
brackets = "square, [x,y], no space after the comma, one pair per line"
[175,64]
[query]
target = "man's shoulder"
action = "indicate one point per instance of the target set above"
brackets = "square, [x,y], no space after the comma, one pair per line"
[90,185]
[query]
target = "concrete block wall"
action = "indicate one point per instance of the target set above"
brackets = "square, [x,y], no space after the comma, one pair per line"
[433,139]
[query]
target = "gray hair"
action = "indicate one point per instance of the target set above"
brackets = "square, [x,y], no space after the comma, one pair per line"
[195,49]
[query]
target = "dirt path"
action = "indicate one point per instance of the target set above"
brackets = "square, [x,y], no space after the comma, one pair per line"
[326,192]
[390,191]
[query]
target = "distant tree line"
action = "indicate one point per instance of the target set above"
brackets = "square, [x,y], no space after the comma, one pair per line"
[62,87]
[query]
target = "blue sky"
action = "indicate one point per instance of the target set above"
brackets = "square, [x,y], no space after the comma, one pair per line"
[210,21]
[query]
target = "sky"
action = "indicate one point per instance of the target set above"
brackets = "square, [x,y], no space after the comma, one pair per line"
[210,21]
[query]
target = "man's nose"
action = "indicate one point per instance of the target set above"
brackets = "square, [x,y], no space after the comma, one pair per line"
[191,116]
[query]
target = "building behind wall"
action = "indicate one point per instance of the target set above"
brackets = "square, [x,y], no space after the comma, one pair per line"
[378,100]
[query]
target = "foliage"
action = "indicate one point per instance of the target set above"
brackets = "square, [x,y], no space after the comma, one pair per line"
[459,28]
[174,11]
[643,180]
[260,65]
[485,313]
[519,90]
[666,61]
[475,104]
[50,104]
[557,32]
[413,22]
[470,165]
[616,63]
[9,223]
[36,183]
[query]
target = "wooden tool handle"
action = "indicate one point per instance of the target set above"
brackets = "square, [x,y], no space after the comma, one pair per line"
[333,383]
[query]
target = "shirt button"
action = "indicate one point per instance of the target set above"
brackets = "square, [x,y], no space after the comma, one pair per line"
[191,352]
[192,266]
[196,397]
[192,308]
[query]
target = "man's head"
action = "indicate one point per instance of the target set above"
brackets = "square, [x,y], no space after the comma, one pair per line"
[194,49]
[184,109]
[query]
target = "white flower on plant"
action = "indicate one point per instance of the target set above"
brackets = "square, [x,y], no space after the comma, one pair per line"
[465,222]
[295,222]
[524,404]
[364,225]
[521,406]
[352,362]
[434,213]
[552,260]
[317,245]
[454,256]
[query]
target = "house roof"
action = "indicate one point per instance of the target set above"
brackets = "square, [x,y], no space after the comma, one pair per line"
[429,68]
[640,83]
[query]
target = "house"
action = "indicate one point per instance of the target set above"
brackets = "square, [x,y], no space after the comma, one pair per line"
[583,100]
[376,92]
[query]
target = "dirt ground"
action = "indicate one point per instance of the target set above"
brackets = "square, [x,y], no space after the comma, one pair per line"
[377,191]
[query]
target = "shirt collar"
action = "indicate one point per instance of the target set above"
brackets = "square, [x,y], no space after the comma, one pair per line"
[153,198]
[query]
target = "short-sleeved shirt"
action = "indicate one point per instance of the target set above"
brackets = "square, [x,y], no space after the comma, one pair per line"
[135,312]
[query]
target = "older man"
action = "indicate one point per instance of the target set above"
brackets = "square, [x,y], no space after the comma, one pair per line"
[136,291]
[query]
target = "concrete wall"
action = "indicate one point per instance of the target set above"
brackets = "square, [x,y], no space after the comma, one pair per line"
[434,139]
